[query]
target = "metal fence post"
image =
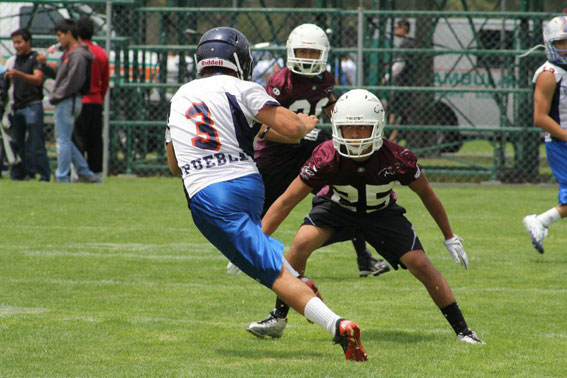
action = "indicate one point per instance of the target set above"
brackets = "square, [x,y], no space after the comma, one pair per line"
[106,120]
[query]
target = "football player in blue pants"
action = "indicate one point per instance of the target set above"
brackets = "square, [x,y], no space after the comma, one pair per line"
[550,114]
[212,124]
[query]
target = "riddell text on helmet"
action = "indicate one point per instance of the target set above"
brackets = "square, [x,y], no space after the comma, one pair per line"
[212,62]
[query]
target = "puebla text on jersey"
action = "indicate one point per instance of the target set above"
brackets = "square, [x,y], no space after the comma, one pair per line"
[212,124]
[361,187]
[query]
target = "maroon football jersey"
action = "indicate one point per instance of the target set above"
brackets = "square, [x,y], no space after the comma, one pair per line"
[360,186]
[300,94]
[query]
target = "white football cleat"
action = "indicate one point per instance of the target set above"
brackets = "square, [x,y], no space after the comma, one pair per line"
[470,337]
[271,326]
[536,230]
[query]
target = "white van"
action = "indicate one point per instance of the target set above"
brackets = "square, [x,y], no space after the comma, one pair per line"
[39,19]
[476,71]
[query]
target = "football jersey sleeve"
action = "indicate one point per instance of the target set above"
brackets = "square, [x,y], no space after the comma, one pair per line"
[255,98]
[177,107]
[275,86]
[406,166]
[320,167]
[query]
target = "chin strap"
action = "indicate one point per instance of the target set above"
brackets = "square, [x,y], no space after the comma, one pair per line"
[531,50]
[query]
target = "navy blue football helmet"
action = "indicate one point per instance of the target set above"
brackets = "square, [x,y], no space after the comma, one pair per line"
[225,47]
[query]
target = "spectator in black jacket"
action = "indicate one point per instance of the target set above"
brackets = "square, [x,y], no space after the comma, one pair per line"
[25,76]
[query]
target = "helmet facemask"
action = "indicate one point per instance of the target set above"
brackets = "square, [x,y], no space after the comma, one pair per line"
[311,37]
[357,147]
[307,66]
[358,107]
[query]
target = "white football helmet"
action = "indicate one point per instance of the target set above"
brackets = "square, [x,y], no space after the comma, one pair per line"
[307,36]
[358,107]
[555,30]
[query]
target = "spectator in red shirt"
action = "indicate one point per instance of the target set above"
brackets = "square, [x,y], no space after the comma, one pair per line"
[87,135]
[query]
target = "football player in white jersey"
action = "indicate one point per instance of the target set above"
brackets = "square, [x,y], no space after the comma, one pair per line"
[212,125]
[550,114]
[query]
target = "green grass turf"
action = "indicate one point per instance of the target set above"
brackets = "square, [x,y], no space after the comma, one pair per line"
[114,280]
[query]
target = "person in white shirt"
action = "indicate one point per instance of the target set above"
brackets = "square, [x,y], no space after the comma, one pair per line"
[212,124]
[550,114]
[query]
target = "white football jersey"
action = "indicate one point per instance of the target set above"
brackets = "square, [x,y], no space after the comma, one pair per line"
[558,109]
[212,126]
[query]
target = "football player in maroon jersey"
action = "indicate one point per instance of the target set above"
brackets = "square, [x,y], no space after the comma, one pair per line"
[305,86]
[360,168]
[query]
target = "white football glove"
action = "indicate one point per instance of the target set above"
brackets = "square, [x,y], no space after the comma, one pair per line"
[232,269]
[456,249]
[167,136]
[312,135]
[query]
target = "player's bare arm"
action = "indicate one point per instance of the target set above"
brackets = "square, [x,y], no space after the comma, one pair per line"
[328,108]
[432,203]
[172,160]
[280,209]
[270,134]
[543,95]
[286,122]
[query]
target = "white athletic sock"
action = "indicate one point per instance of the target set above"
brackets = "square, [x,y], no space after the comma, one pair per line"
[320,314]
[550,216]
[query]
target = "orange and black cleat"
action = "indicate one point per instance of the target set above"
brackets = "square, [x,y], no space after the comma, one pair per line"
[347,334]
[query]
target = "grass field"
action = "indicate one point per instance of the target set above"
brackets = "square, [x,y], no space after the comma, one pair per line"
[114,280]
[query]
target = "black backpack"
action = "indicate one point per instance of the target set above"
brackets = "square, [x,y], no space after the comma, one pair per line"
[86,88]
[3,93]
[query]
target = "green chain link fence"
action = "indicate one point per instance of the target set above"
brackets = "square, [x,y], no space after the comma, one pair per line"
[469,103]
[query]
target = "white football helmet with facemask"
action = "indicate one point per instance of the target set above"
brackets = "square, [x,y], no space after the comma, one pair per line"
[307,36]
[555,30]
[358,107]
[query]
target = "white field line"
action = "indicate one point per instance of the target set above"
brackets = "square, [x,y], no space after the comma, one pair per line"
[124,246]
[184,251]
[39,281]
[553,335]
[163,257]
[96,283]
[15,311]
[6,310]
[129,227]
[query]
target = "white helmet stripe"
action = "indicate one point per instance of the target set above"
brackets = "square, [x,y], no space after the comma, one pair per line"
[218,62]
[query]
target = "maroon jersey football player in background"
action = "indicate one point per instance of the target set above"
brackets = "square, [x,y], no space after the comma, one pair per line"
[305,86]
[360,169]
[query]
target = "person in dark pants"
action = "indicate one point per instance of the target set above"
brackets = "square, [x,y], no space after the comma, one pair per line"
[87,134]
[403,73]
[26,78]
